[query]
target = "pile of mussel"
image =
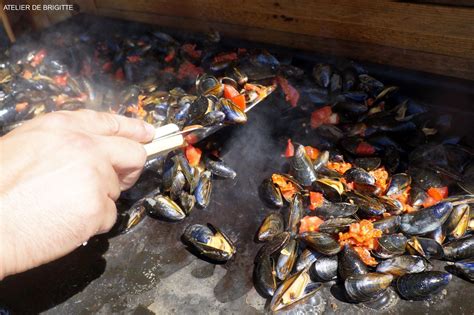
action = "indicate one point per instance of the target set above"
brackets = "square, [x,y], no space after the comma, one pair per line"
[371,209]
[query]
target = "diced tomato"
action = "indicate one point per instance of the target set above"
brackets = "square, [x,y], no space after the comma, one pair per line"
[19,107]
[290,149]
[364,148]
[61,80]
[241,51]
[291,94]
[429,201]
[239,100]
[310,224]
[316,200]
[38,57]
[170,56]
[231,56]
[333,119]
[190,50]
[311,152]
[287,188]
[168,70]
[320,116]
[106,67]
[381,178]
[188,70]
[365,256]
[134,58]
[230,91]
[340,167]
[193,155]
[27,74]
[119,75]
[438,193]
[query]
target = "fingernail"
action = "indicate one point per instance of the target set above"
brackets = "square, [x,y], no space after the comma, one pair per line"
[150,130]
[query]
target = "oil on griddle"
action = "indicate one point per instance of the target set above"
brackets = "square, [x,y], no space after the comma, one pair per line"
[366,171]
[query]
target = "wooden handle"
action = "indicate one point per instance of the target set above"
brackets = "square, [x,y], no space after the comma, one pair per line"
[162,142]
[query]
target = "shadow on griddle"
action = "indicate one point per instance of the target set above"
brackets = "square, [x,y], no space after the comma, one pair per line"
[46,286]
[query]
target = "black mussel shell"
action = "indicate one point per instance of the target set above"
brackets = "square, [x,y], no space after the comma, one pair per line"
[419,286]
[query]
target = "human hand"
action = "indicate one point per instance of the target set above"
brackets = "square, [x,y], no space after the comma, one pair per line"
[60,177]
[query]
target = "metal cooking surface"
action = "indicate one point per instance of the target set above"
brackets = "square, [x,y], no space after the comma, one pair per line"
[150,270]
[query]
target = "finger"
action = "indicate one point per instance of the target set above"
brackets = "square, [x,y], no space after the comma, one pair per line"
[110,180]
[110,217]
[98,123]
[126,156]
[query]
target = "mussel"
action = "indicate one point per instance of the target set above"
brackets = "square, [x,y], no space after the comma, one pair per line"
[324,268]
[321,242]
[270,194]
[219,168]
[330,210]
[463,268]
[271,226]
[389,224]
[365,287]
[350,263]
[359,176]
[459,249]
[390,245]
[425,247]
[426,220]
[306,259]
[294,289]
[203,189]
[336,225]
[163,207]
[286,259]
[264,276]
[398,183]
[401,265]
[209,242]
[302,167]
[419,286]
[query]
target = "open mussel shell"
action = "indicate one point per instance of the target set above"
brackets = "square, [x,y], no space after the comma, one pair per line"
[359,176]
[398,183]
[270,194]
[324,269]
[459,249]
[439,235]
[388,225]
[295,214]
[209,242]
[187,202]
[286,259]
[321,242]
[294,289]
[401,265]
[350,263]
[321,160]
[425,247]
[420,286]
[264,276]
[271,226]
[273,246]
[390,245]
[219,168]
[458,221]
[163,207]
[336,225]
[330,210]
[203,190]
[209,85]
[332,189]
[463,268]
[365,287]
[393,206]
[426,220]
[302,168]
